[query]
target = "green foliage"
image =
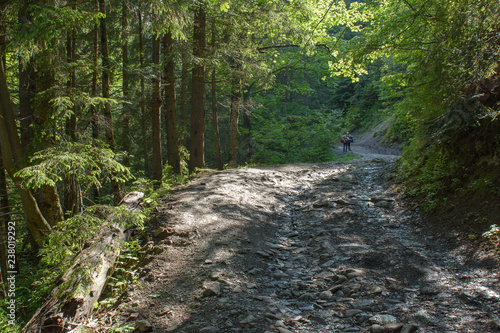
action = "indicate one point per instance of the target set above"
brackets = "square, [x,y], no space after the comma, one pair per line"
[123,274]
[89,164]
[492,236]
[296,138]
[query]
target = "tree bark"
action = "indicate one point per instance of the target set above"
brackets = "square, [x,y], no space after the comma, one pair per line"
[94,117]
[72,194]
[247,125]
[156,114]
[145,145]
[13,159]
[215,120]
[125,85]
[184,100]
[234,117]
[197,146]
[173,156]
[87,275]
[106,70]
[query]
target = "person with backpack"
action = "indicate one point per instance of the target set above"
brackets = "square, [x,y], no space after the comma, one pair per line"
[343,140]
[349,139]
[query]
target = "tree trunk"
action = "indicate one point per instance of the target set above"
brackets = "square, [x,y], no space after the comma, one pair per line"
[145,145]
[215,120]
[87,276]
[247,125]
[27,90]
[234,116]
[125,85]
[173,156]
[197,146]
[94,117]
[72,194]
[36,80]
[156,114]
[108,119]
[13,159]
[184,101]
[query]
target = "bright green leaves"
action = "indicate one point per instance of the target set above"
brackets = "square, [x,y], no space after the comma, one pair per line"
[89,165]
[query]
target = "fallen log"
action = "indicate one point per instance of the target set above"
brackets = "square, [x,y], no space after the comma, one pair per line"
[71,302]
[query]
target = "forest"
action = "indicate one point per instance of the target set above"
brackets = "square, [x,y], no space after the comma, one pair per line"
[100,98]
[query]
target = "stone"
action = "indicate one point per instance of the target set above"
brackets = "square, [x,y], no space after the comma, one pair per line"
[382,319]
[393,328]
[375,328]
[211,289]
[143,325]
[352,312]
[250,319]
[210,329]
[409,328]
[283,330]
[307,297]
[325,295]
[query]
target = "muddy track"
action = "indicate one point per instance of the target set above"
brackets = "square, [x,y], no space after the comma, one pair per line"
[304,248]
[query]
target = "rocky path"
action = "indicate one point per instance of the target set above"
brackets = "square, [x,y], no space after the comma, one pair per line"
[304,248]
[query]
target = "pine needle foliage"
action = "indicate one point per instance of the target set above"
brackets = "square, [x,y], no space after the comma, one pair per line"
[89,164]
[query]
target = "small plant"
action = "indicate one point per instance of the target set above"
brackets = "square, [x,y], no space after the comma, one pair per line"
[492,236]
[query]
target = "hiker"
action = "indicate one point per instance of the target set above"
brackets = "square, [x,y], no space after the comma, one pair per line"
[346,142]
[343,140]
[349,139]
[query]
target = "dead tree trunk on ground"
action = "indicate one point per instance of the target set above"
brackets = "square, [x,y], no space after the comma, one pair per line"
[72,300]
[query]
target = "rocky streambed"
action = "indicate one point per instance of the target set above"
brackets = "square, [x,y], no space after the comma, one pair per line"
[304,248]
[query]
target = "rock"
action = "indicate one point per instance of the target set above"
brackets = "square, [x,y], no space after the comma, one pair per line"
[307,297]
[375,328]
[409,328]
[211,289]
[210,329]
[325,295]
[352,312]
[393,328]
[250,319]
[143,325]
[283,330]
[382,319]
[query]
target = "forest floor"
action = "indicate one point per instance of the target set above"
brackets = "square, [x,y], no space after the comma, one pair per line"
[329,247]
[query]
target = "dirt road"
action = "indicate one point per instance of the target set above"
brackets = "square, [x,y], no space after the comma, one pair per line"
[305,248]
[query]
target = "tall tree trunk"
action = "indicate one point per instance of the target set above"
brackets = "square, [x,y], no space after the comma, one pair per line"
[247,125]
[215,120]
[197,146]
[125,85]
[94,117]
[72,194]
[173,156]
[108,119]
[36,80]
[27,90]
[234,116]
[156,114]
[145,145]
[13,159]
[183,94]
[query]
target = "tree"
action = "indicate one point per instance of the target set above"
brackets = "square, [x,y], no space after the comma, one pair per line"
[156,112]
[173,156]
[106,71]
[13,159]
[197,147]
[215,118]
